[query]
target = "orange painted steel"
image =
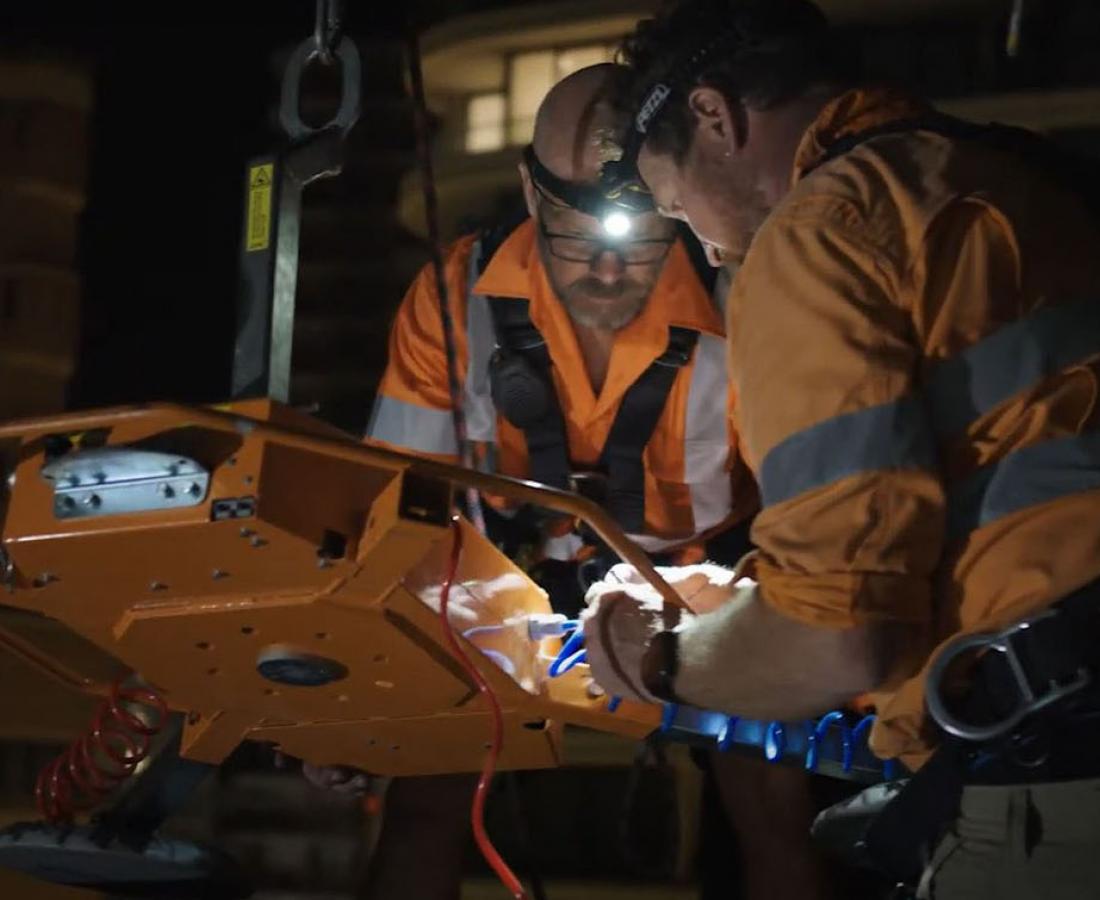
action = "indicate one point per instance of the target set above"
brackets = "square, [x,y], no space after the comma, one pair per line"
[192,604]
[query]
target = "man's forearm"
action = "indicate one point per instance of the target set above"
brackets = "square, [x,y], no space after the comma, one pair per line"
[749,660]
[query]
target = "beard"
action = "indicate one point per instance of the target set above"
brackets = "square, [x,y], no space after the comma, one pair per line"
[595,304]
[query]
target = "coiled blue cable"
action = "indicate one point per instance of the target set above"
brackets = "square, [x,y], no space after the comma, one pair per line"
[861,726]
[775,741]
[728,732]
[836,717]
[668,716]
[570,655]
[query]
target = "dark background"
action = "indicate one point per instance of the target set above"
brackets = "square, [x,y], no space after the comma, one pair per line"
[184,95]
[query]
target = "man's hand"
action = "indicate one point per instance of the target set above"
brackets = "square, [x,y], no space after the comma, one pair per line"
[340,779]
[625,612]
[704,587]
[617,628]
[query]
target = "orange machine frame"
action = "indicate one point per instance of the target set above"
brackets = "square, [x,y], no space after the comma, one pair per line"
[191,603]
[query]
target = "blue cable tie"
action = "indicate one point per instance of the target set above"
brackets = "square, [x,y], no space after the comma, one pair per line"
[775,741]
[727,734]
[613,703]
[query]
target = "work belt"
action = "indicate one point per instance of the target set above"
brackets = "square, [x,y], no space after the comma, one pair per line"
[1030,715]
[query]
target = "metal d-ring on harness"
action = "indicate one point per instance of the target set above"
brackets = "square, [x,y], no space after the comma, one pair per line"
[273,206]
[1029,701]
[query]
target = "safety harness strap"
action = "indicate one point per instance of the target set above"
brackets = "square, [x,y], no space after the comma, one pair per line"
[633,428]
[547,442]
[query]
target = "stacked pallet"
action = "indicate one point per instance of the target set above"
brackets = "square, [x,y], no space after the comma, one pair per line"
[44,136]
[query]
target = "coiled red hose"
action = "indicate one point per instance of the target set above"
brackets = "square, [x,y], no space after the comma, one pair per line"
[106,755]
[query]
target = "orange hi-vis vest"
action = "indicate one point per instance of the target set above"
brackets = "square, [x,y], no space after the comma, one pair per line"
[694,484]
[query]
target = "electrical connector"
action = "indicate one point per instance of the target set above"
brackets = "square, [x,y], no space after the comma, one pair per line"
[548,625]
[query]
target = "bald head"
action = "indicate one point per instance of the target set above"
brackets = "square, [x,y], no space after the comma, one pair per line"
[571,120]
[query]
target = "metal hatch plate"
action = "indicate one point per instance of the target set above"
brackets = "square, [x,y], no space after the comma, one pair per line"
[109,481]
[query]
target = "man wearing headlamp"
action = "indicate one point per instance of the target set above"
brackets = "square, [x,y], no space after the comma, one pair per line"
[915,345]
[592,355]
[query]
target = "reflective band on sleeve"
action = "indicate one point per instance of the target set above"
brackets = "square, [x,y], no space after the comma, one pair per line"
[706,435]
[1012,359]
[481,413]
[1026,477]
[413,427]
[881,438]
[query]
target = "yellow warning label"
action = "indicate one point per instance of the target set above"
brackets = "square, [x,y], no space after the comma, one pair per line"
[258,234]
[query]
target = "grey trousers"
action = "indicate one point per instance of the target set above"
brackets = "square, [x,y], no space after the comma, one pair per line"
[1039,840]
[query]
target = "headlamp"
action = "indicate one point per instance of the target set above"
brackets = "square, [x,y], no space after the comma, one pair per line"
[617,224]
[620,183]
[615,215]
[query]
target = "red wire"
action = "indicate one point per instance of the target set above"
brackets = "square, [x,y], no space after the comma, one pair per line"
[477,813]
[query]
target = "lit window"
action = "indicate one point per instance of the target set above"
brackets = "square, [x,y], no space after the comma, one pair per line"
[577,58]
[531,76]
[497,119]
[485,123]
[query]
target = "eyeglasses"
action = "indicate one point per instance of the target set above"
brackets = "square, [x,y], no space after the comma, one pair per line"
[571,248]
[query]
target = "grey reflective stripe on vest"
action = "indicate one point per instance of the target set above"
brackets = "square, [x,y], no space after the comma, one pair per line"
[1012,359]
[1023,478]
[887,437]
[706,435]
[481,414]
[413,427]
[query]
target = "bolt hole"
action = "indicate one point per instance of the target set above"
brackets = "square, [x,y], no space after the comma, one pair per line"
[371,742]
[203,645]
[380,658]
[247,629]
[213,671]
[396,747]
[322,635]
[537,725]
[271,692]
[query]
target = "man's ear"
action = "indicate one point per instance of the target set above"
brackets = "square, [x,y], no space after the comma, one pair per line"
[719,123]
[530,195]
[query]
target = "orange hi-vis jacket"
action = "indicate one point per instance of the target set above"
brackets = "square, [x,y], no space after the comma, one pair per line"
[692,486]
[915,349]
